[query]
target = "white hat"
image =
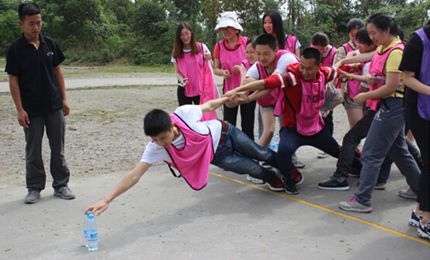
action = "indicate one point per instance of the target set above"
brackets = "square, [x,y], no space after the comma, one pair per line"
[228,19]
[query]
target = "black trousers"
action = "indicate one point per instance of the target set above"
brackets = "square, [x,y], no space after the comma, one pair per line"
[247,112]
[421,130]
[184,100]
[35,172]
[328,121]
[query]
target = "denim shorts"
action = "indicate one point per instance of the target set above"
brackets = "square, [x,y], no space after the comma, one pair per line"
[348,103]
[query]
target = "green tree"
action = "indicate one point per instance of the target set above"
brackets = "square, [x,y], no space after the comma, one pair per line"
[9,29]
[84,22]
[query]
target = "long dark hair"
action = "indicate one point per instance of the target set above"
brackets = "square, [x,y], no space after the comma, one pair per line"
[384,22]
[178,45]
[278,27]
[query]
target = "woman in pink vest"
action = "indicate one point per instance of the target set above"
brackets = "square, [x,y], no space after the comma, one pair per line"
[250,59]
[188,57]
[351,88]
[228,56]
[386,134]
[272,24]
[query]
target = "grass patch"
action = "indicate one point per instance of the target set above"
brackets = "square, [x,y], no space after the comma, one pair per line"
[71,71]
[143,87]
[100,115]
[110,70]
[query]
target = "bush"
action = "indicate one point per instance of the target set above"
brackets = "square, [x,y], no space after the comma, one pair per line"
[9,29]
[138,56]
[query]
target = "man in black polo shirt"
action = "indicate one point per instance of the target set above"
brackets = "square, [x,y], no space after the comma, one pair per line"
[38,91]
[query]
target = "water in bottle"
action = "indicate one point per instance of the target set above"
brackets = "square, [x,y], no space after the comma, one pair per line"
[90,232]
[274,146]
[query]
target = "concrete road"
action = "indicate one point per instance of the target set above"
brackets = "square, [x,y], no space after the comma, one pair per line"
[153,79]
[161,218]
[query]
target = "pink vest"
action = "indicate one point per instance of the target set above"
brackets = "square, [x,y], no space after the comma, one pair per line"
[208,90]
[377,66]
[193,160]
[228,59]
[279,106]
[246,64]
[271,98]
[353,85]
[191,67]
[290,43]
[309,120]
[328,60]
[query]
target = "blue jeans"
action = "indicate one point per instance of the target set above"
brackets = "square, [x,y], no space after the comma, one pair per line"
[290,141]
[239,154]
[386,137]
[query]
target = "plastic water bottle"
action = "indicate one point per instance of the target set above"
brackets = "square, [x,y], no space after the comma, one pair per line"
[274,146]
[274,142]
[90,232]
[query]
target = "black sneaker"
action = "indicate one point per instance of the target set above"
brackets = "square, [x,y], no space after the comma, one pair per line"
[290,188]
[65,193]
[414,221]
[32,197]
[424,230]
[275,184]
[334,184]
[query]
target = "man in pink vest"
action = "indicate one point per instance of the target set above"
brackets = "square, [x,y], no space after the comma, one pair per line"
[302,124]
[186,143]
[321,42]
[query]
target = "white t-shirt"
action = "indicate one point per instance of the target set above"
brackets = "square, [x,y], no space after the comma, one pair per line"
[285,60]
[366,68]
[205,49]
[191,114]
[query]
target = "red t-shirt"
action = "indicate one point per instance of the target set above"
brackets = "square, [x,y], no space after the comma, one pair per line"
[290,82]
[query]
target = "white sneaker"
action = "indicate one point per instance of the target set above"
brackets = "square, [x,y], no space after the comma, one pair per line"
[424,230]
[254,180]
[408,193]
[322,155]
[297,162]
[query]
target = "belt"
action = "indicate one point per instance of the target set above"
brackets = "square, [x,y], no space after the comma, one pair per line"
[224,129]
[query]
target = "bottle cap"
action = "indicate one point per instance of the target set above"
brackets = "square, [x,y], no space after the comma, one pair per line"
[89,214]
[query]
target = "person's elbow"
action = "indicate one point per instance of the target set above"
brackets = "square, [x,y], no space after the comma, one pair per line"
[138,171]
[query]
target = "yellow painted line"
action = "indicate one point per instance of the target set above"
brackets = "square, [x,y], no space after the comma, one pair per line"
[331,211]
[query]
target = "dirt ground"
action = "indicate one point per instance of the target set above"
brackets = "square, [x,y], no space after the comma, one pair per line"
[104,131]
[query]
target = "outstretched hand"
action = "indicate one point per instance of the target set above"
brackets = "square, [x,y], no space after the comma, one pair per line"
[238,99]
[344,74]
[98,208]
[230,94]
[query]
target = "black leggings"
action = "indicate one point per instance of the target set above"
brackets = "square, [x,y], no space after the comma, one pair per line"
[421,130]
[184,100]
[247,114]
